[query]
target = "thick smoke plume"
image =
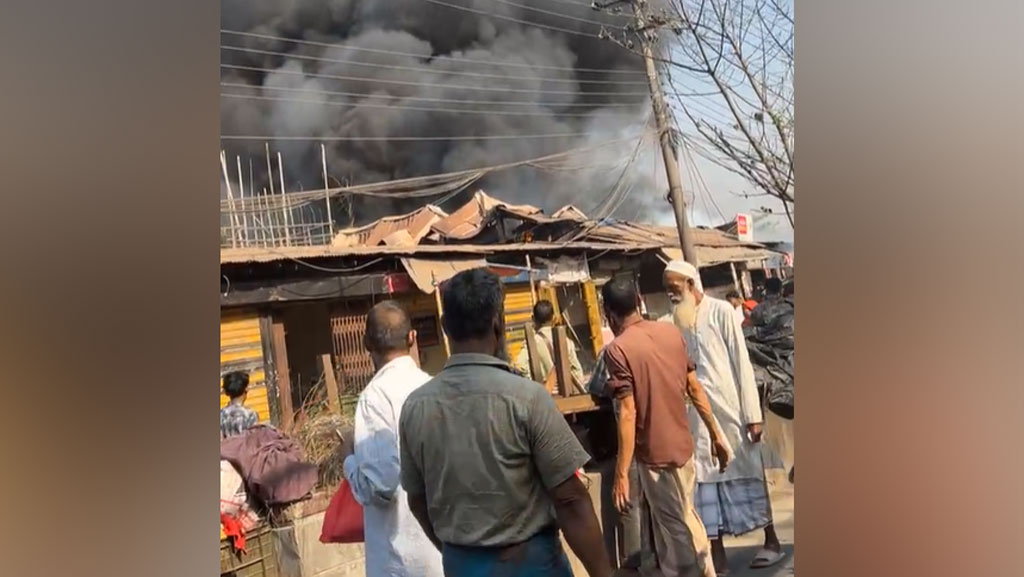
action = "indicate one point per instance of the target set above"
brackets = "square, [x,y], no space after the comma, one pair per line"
[554,84]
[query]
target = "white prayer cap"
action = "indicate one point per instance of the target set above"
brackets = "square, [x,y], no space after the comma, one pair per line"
[681,267]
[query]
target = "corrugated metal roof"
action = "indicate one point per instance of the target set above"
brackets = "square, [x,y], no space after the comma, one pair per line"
[666,235]
[402,235]
[417,224]
[472,217]
[253,255]
[711,256]
[427,274]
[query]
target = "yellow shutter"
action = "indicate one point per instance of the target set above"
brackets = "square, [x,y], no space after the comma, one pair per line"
[593,316]
[518,312]
[241,349]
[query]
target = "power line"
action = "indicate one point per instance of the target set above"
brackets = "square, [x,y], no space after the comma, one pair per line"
[401,138]
[428,56]
[511,19]
[436,71]
[449,180]
[427,84]
[550,13]
[417,108]
[586,5]
[432,99]
[324,268]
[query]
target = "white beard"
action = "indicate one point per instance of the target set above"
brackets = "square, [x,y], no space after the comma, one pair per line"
[684,314]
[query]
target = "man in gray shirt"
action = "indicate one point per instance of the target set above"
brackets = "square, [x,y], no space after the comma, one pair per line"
[488,462]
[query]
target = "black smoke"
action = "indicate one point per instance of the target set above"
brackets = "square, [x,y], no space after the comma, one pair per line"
[560,92]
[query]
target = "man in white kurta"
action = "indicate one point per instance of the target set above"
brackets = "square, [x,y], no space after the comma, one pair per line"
[396,545]
[736,501]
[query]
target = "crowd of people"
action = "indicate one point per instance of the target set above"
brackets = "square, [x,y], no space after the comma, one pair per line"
[474,472]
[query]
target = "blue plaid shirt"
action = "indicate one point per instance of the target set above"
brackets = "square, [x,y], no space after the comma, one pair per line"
[236,418]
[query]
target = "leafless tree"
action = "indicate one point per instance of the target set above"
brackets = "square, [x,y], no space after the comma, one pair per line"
[730,69]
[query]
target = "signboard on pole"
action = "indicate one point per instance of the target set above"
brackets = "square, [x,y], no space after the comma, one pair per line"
[745,227]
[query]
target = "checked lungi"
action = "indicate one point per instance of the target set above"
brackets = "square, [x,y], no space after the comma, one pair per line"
[733,507]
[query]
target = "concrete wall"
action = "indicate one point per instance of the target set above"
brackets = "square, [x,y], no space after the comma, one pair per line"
[301,554]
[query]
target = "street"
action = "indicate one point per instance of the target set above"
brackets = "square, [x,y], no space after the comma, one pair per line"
[742,549]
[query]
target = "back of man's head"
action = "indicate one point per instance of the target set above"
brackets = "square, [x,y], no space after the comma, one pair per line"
[472,302]
[388,329]
[733,296]
[619,296]
[236,383]
[773,286]
[543,312]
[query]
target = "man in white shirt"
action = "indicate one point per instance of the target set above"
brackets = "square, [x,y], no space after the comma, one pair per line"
[735,501]
[396,545]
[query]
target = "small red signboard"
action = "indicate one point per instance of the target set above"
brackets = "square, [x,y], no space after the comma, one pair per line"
[743,228]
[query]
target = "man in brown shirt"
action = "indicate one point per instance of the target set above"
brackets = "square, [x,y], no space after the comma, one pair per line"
[644,364]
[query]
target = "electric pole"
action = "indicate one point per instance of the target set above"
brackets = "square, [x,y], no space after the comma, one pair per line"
[645,28]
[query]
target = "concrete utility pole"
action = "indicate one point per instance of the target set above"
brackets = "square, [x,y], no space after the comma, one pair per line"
[645,28]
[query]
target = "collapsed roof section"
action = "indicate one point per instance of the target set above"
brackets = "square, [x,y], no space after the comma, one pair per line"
[432,225]
[486,224]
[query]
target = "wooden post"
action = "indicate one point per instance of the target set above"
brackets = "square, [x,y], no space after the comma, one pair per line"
[241,199]
[533,287]
[270,366]
[548,291]
[285,209]
[284,378]
[232,217]
[748,285]
[531,352]
[736,279]
[562,368]
[269,216]
[270,178]
[331,382]
[261,233]
[440,314]
[327,195]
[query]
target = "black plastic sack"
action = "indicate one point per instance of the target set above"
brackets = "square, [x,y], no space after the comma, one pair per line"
[771,344]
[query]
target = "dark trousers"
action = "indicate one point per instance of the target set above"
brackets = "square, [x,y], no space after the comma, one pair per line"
[539,556]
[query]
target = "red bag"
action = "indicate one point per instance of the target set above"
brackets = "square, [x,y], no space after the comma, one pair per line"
[343,521]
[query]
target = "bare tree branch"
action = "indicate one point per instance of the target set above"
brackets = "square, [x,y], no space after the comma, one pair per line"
[743,50]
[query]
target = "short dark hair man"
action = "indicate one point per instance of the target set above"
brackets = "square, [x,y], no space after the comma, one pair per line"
[543,312]
[489,463]
[736,300]
[236,418]
[543,319]
[651,376]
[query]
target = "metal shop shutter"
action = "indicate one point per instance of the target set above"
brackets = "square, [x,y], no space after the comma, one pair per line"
[241,348]
[518,313]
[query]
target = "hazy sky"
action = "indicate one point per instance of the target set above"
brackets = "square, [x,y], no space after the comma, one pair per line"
[726,188]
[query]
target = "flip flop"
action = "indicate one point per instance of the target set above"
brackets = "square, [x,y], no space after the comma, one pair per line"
[766,558]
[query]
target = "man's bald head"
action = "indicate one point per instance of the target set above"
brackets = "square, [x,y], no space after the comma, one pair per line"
[388,330]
